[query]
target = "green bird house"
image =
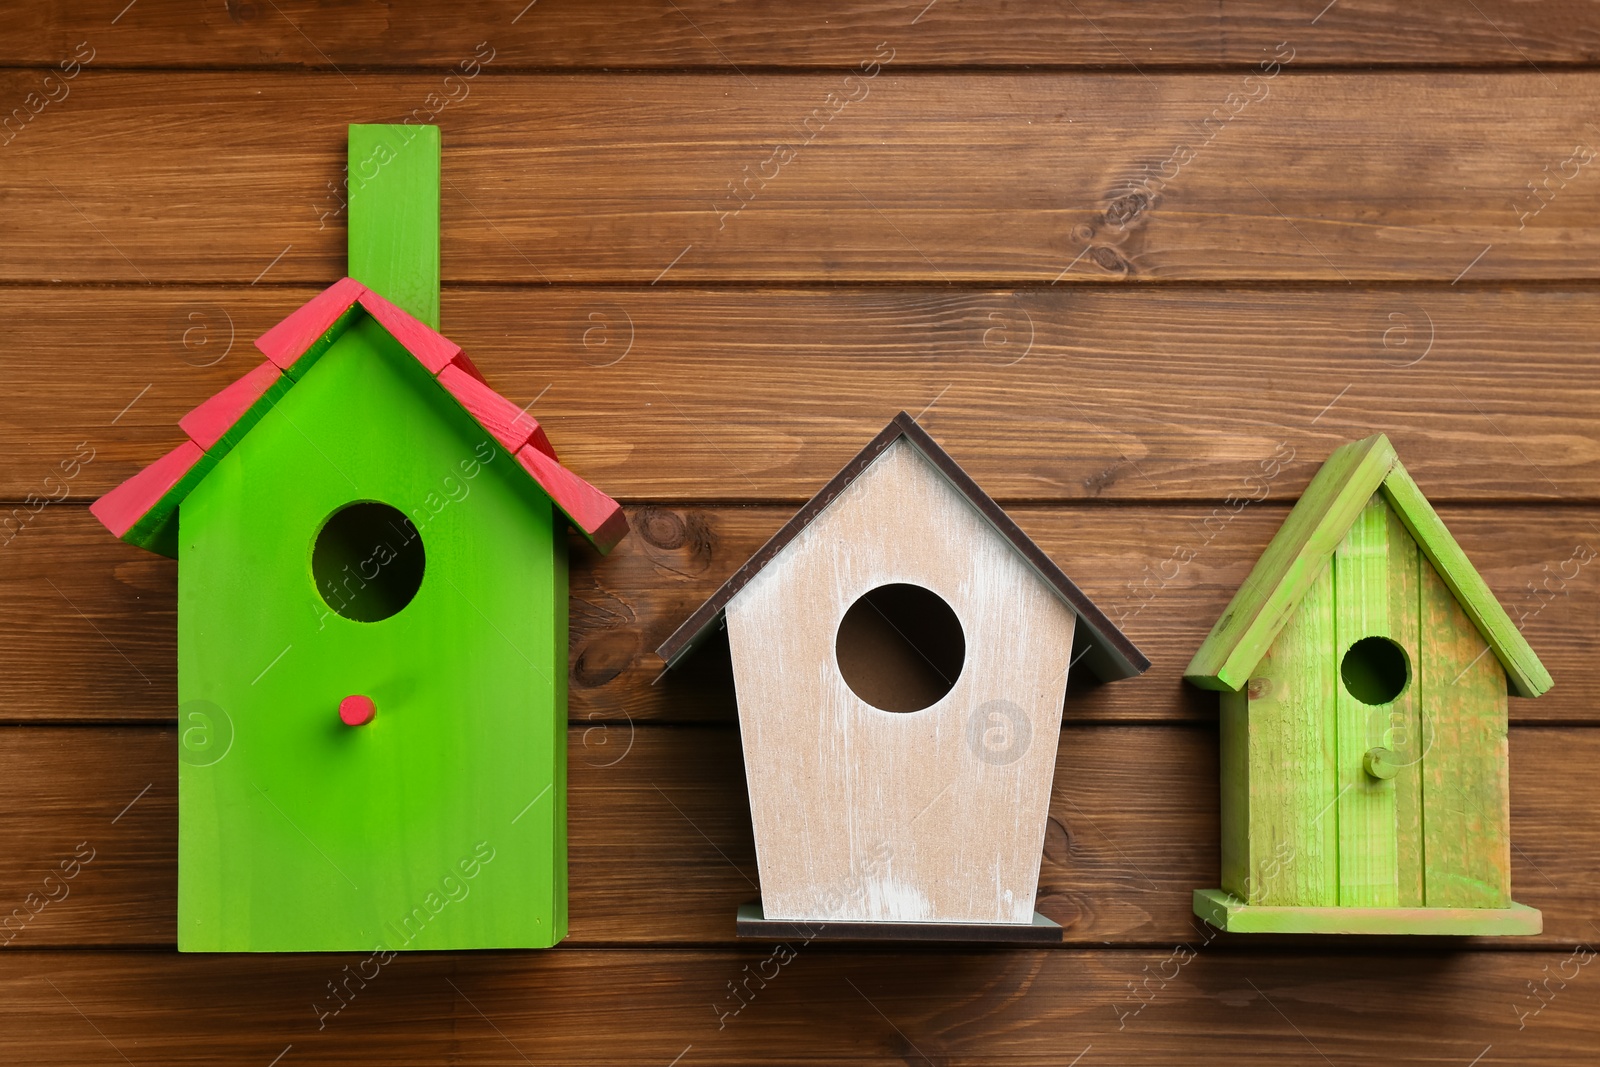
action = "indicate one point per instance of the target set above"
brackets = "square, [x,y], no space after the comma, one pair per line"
[1364,670]
[372,606]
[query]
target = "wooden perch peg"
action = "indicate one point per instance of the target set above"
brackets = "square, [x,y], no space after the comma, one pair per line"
[357,710]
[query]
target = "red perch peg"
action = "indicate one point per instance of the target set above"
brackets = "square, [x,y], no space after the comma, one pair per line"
[357,710]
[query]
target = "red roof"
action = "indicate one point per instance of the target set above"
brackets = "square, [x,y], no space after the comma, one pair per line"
[141,510]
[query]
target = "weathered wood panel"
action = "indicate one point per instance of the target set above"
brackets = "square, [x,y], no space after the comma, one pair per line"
[1364,567]
[90,629]
[900,808]
[661,844]
[992,179]
[1398,730]
[1280,735]
[1464,778]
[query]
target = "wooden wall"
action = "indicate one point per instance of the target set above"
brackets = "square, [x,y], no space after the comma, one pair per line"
[1116,257]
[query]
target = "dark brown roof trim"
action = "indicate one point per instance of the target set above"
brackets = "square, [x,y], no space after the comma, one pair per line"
[1107,651]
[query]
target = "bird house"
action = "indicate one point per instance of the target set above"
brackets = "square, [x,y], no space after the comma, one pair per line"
[372,604]
[1364,669]
[900,654]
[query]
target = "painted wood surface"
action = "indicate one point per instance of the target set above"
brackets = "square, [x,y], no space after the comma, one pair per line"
[1464,776]
[1234,915]
[1525,675]
[752,924]
[866,815]
[464,770]
[1280,736]
[1364,806]
[392,178]
[1396,729]
[1234,810]
[1316,526]
[1367,643]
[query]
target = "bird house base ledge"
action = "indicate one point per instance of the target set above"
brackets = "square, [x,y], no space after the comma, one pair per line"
[752,922]
[1227,912]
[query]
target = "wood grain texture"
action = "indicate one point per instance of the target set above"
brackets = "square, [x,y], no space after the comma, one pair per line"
[1230,914]
[1234,810]
[821,1005]
[1369,867]
[1525,675]
[770,34]
[393,225]
[935,816]
[1464,784]
[1346,250]
[765,394]
[1316,527]
[812,178]
[661,844]
[1398,732]
[90,629]
[1279,737]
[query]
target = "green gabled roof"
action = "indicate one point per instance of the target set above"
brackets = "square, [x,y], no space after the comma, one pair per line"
[1309,536]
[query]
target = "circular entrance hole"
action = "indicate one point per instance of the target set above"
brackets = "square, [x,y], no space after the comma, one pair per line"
[900,647]
[1375,670]
[368,561]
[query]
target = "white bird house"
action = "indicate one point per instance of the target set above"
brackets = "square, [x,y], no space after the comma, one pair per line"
[900,655]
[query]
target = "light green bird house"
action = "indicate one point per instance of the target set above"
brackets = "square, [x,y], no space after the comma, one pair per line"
[1364,669]
[372,609]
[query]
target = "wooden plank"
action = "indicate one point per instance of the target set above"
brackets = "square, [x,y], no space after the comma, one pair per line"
[1525,674]
[94,632]
[752,923]
[1467,826]
[1108,177]
[142,509]
[1235,916]
[393,243]
[1294,777]
[1132,832]
[638,34]
[1400,730]
[738,394]
[935,816]
[591,512]
[797,1003]
[1233,809]
[509,424]
[306,325]
[1316,526]
[1368,860]
[223,417]
[431,348]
